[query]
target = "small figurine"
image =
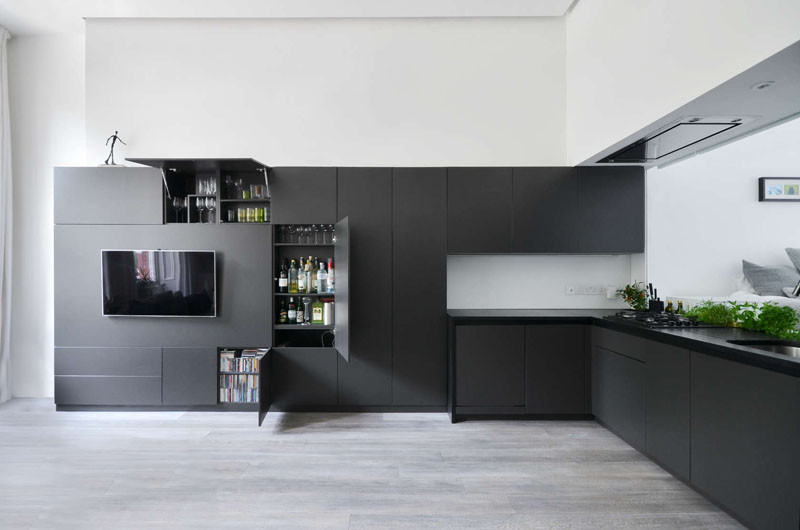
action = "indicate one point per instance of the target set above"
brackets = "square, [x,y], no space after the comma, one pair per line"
[113,139]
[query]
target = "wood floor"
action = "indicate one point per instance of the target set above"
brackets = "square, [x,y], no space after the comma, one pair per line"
[134,470]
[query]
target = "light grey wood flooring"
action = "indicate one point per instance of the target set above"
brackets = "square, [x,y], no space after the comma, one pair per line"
[198,470]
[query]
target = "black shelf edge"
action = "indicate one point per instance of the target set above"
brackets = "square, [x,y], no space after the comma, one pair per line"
[300,327]
[306,294]
[303,244]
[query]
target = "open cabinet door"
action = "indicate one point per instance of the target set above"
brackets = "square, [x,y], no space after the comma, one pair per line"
[264,372]
[341,268]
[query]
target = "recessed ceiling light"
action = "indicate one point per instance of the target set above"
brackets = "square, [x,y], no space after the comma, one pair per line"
[763,85]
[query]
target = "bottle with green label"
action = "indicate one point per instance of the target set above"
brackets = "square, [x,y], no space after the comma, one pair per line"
[316,312]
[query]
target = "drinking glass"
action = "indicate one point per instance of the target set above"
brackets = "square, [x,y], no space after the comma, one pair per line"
[229,187]
[177,205]
[326,234]
[315,229]
[212,185]
[211,205]
[301,235]
[309,235]
[333,234]
[200,203]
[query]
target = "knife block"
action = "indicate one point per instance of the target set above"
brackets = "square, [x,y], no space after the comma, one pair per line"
[656,306]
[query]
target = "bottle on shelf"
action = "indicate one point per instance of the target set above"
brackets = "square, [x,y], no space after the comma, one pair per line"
[310,280]
[301,278]
[331,287]
[283,313]
[322,279]
[680,307]
[291,313]
[293,284]
[317,312]
[299,316]
[283,279]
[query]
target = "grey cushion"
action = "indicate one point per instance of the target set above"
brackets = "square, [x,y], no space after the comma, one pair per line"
[794,255]
[788,292]
[770,281]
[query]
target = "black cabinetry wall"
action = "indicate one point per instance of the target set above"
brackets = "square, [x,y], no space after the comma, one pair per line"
[419,286]
[365,197]
[303,195]
[584,210]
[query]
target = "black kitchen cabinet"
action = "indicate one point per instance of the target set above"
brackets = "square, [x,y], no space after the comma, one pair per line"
[479,206]
[667,407]
[302,378]
[744,440]
[189,376]
[365,198]
[618,394]
[545,212]
[555,369]
[610,209]
[303,195]
[419,286]
[490,366]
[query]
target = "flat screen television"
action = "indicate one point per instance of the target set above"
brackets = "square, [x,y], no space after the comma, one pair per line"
[159,283]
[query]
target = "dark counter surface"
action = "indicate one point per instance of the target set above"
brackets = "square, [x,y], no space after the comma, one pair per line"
[711,341]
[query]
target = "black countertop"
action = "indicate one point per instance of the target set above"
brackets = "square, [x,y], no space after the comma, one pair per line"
[711,341]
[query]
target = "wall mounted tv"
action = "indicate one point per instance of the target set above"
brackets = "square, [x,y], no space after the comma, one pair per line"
[159,283]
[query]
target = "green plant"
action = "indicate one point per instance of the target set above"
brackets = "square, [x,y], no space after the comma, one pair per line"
[634,295]
[769,317]
[713,313]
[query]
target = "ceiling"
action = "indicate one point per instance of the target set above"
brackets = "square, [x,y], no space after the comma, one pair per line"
[30,17]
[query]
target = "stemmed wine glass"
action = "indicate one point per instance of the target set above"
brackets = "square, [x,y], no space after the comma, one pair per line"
[315,229]
[200,203]
[291,230]
[307,233]
[178,204]
[211,205]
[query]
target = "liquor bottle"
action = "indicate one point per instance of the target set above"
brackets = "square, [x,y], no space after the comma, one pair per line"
[316,312]
[291,314]
[299,317]
[669,306]
[293,287]
[301,278]
[331,288]
[283,313]
[680,307]
[310,283]
[283,279]
[322,279]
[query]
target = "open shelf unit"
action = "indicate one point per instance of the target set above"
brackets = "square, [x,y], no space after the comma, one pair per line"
[239,381]
[183,178]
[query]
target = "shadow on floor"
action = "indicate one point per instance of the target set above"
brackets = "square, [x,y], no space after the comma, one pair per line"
[289,421]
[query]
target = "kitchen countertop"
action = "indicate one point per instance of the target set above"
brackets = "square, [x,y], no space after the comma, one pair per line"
[711,341]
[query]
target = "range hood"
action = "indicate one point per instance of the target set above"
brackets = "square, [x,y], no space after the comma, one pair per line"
[676,136]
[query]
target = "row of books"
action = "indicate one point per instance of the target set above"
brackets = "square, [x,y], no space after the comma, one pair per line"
[238,388]
[246,361]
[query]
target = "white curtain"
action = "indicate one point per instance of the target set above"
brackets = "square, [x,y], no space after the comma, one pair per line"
[5,223]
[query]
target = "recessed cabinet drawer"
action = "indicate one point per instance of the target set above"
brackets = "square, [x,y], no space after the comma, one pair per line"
[108,361]
[105,390]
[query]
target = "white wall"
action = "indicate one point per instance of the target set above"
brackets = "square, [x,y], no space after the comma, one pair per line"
[631,62]
[703,214]
[393,92]
[46,97]
[533,281]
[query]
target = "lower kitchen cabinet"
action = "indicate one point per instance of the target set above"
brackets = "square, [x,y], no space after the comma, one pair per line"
[189,376]
[618,394]
[745,436]
[555,369]
[303,377]
[667,407]
[490,367]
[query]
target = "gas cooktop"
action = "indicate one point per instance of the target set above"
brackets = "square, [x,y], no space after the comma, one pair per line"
[648,319]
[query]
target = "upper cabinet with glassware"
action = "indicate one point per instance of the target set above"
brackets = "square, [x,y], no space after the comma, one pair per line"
[231,190]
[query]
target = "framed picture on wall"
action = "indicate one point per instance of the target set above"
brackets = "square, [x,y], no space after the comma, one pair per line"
[779,189]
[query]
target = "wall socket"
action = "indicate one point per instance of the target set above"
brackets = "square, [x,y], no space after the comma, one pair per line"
[591,290]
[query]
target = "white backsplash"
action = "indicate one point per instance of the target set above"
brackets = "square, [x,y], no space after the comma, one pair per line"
[537,281]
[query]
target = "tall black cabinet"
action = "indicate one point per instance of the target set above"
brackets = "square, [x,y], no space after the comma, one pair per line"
[365,197]
[419,286]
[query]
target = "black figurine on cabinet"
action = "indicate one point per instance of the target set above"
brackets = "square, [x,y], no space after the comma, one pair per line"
[113,139]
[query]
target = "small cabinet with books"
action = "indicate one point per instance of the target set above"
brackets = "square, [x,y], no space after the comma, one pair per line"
[244,378]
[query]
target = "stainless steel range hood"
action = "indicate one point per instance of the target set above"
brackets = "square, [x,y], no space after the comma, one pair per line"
[677,136]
